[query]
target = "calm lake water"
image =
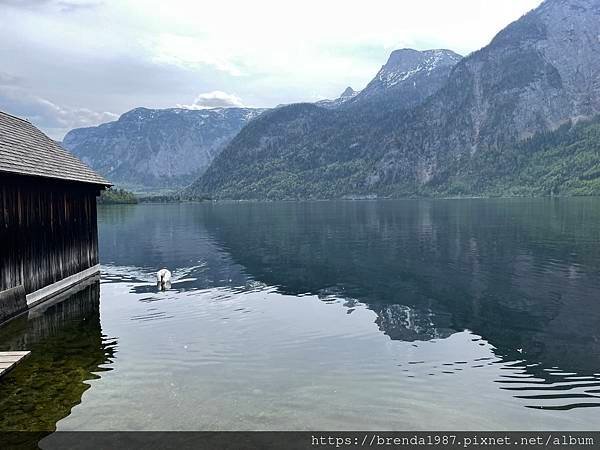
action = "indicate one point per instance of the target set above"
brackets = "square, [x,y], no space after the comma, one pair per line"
[466,314]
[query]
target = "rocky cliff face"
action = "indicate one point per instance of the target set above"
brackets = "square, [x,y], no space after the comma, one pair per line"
[536,74]
[345,96]
[330,138]
[409,77]
[539,72]
[151,149]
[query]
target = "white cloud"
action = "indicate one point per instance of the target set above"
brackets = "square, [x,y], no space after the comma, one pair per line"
[214,99]
[60,6]
[7,79]
[313,40]
[188,51]
[55,119]
[115,56]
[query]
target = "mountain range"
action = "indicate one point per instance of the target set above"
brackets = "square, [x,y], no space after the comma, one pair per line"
[307,151]
[514,118]
[539,73]
[345,96]
[147,150]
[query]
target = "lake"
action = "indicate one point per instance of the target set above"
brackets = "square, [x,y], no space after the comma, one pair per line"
[401,315]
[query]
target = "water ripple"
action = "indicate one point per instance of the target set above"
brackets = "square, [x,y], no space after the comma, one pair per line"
[552,388]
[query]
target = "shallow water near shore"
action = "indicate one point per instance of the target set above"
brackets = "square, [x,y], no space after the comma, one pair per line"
[404,315]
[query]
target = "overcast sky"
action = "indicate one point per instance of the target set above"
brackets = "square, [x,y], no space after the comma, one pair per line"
[68,63]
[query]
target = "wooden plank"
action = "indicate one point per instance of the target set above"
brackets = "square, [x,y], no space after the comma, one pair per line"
[60,286]
[9,360]
[23,353]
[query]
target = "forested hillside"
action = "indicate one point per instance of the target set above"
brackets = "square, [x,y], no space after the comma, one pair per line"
[562,162]
[480,125]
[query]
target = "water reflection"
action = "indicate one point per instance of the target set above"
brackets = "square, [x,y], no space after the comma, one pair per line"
[67,349]
[405,323]
[394,310]
[522,274]
[413,314]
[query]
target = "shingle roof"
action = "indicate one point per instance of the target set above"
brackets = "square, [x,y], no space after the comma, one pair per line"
[26,150]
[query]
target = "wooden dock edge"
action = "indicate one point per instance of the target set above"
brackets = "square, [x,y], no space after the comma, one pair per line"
[10,360]
[39,308]
[54,289]
[36,303]
[14,302]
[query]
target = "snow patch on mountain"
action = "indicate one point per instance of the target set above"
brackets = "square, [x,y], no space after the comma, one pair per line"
[407,63]
[152,149]
[348,94]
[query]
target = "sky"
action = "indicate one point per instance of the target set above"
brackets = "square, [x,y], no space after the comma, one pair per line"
[76,63]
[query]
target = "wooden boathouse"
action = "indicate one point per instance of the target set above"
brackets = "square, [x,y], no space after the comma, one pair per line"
[48,226]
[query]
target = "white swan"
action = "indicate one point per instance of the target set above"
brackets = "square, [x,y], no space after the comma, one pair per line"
[163,279]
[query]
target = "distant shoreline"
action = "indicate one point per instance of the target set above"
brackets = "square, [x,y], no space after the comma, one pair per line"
[152,201]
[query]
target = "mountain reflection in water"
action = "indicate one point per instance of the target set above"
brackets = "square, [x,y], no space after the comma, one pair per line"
[522,274]
[470,314]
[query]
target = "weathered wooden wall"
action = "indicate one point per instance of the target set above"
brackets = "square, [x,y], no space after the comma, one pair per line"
[48,231]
